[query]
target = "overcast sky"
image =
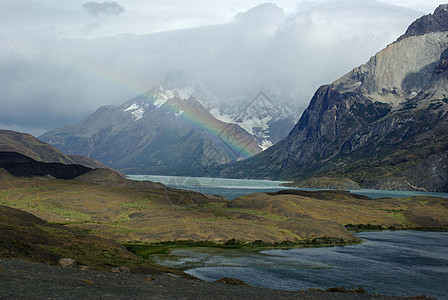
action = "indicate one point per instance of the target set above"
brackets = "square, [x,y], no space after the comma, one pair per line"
[60,60]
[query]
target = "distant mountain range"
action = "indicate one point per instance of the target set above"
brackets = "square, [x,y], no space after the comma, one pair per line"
[177,128]
[383,125]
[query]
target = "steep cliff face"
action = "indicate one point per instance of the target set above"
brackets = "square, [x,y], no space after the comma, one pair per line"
[384,124]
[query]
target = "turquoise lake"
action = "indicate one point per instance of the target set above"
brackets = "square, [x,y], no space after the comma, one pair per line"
[233,188]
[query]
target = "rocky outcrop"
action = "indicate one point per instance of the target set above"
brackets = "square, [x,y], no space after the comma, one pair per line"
[67,263]
[437,22]
[380,125]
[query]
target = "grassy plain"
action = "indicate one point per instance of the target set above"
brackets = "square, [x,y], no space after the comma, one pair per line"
[160,215]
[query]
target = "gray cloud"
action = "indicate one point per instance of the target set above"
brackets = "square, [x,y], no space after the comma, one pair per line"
[104,8]
[90,28]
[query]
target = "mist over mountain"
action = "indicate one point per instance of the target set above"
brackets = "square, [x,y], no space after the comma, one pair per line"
[178,127]
[52,78]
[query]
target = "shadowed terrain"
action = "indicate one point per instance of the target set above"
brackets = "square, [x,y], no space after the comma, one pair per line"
[25,236]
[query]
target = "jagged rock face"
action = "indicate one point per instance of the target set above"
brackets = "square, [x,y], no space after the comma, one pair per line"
[437,22]
[382,124]
[163,131]
[399,72]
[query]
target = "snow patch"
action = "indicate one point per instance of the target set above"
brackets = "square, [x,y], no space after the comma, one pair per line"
[132,107]
[138,114]
[179,113]
[136,111]
[160,99]
[217,114]
[252,123]
[265,144]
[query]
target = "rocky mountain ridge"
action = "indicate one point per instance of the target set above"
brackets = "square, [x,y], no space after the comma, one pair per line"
[179,127]
[383,125]
[163,131]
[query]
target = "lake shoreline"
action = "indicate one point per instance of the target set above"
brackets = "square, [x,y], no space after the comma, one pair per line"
[233,188]
[145,250]
[416,257]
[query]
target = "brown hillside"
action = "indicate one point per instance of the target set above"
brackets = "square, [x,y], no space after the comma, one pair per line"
[28,145]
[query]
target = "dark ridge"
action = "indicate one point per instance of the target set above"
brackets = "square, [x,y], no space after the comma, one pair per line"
[436,22]
[321,195]
[20,165]
[28,145]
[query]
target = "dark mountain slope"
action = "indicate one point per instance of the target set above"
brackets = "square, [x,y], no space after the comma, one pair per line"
[24,166]
[159,132]
[384,124]
[28,145]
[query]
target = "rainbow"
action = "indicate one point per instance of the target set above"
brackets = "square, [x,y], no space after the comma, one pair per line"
[238,142]
[233,137]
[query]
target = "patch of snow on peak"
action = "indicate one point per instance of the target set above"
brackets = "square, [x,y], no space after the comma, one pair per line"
[179,113]
[132,107]
[265,144]
[138,114]
[217,114]
[161,97]
[250,124]
[136,111]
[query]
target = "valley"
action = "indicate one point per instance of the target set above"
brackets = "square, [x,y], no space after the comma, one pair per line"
[363,169]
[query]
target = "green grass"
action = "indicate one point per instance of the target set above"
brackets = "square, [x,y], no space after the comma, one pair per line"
[140,204]
[399,216]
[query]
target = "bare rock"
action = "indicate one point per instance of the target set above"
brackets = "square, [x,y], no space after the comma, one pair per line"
[67,263]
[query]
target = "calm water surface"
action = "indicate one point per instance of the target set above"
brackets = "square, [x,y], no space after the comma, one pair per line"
[388,262]
[233,188]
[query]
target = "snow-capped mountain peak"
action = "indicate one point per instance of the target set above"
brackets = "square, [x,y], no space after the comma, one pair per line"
[267,120]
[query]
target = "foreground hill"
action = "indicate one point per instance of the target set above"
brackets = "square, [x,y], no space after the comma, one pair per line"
[25,236]
[383,125]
